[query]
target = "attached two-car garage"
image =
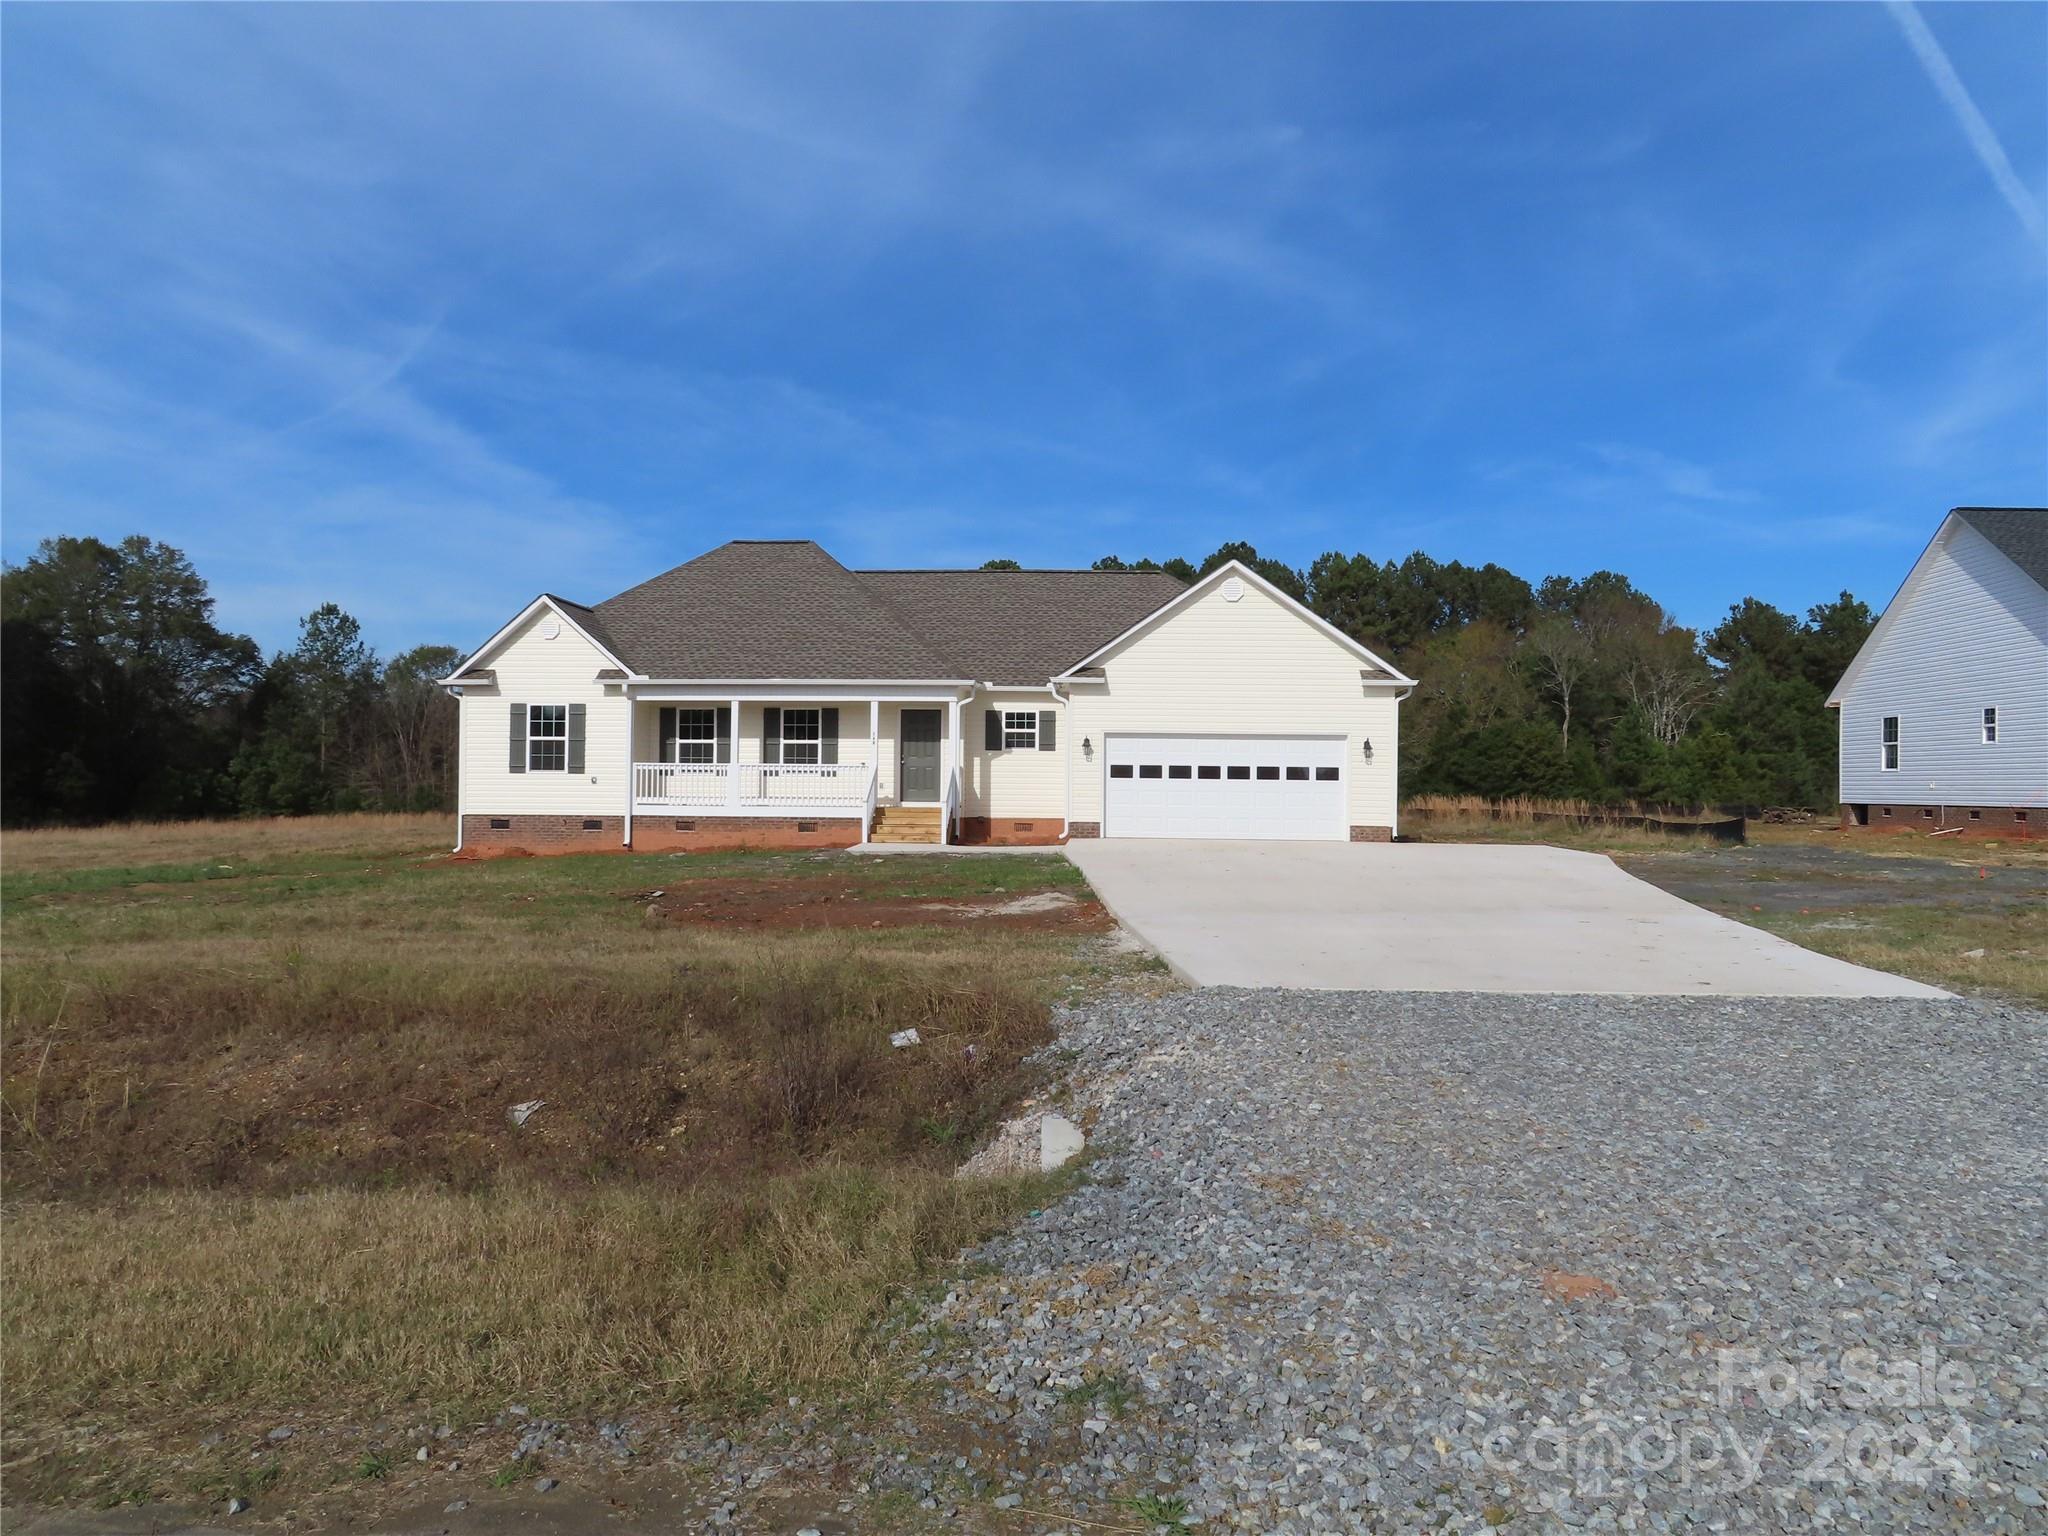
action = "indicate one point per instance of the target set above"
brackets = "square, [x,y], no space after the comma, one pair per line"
[1264,787]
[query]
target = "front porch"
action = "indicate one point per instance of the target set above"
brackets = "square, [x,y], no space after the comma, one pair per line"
[889,765]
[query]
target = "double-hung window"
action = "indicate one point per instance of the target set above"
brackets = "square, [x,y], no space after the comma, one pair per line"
[802,730]
[1990,724]
[547,737]
[1889,761]
[1020,729]
[696,739]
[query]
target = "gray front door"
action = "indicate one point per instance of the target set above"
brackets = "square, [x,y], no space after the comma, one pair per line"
[918,746]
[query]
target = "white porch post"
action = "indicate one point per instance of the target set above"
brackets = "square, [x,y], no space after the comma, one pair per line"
[732,768]
[627,840]
[953,770]
[867,813]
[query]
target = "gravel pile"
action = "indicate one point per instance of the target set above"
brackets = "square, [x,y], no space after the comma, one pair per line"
[1454,1262]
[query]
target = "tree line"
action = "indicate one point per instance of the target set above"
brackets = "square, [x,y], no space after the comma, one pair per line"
[121,698]
[1581,687]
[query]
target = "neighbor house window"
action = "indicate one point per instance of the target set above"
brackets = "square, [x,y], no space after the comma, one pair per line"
[801,733]
[696,736]
[1990,724]
[1890,759]
[547,737]
[1020,729]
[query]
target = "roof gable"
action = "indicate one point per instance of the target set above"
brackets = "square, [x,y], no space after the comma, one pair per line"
[1389,673]
[575,615]
[2021,536]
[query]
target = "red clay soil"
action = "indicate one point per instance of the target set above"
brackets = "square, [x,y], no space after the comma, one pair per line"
[834,901]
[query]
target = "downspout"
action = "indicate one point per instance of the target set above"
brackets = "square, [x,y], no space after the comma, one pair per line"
[1394,822]
[456,693]
[631,722]
[1067,763]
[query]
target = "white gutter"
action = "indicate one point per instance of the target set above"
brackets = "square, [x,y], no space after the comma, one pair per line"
[803,682]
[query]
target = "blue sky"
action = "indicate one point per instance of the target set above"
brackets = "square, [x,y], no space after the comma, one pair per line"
[424,309]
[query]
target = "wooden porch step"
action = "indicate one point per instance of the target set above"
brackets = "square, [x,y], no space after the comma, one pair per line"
[905,824]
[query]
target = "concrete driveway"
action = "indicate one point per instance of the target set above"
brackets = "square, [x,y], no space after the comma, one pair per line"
[1436,917]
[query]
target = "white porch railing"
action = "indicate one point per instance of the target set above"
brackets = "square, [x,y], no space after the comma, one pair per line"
[754,788]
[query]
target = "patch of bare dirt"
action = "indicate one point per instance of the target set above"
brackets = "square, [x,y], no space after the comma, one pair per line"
[835,901]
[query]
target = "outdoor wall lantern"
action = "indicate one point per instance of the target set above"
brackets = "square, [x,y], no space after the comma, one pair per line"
[1087,747]
[1368,749]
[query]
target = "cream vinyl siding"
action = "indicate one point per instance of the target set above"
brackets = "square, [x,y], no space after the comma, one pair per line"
[531,670]
[1252,667]
[1019,781]
[1968,630]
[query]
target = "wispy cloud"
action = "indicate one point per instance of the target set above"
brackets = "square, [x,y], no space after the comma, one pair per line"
[1935,60]
[1673,476]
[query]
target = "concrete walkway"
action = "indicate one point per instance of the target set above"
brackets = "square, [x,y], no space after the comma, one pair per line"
[1443,917]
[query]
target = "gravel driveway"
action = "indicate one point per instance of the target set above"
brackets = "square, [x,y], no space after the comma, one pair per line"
[1448,1261]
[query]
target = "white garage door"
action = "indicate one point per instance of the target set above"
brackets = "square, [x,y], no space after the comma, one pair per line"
[1225,786]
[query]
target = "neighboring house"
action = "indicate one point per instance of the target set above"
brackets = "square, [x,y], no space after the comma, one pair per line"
[1944,712]
[765,695]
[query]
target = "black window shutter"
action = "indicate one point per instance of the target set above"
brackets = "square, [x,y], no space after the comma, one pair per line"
[828,735]
[725,734]
[771,735]
[518,764]
[1048,729]
[992,729]
[575,738]
[668,733]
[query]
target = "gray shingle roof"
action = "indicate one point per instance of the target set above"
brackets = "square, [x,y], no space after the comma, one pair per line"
[1021,626]
[785,608]
[758,609]
[2019,533]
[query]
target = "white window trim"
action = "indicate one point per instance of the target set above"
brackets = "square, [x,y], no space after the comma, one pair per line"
[1889,749]
[1988,725]
[536,737]
[1020,738]
[813,744]
[691,744]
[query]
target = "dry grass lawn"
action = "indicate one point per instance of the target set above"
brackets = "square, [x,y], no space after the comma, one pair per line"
[258,1158]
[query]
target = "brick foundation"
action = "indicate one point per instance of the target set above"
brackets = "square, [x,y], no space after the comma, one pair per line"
[1372,834]
[655,834]
[1083,829]
[543,834]
[706,834]
[2002,821]
[1005,831]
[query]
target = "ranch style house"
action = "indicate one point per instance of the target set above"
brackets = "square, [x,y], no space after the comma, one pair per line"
[764,695]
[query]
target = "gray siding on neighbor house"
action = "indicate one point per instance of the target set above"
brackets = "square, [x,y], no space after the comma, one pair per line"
[1969,630]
